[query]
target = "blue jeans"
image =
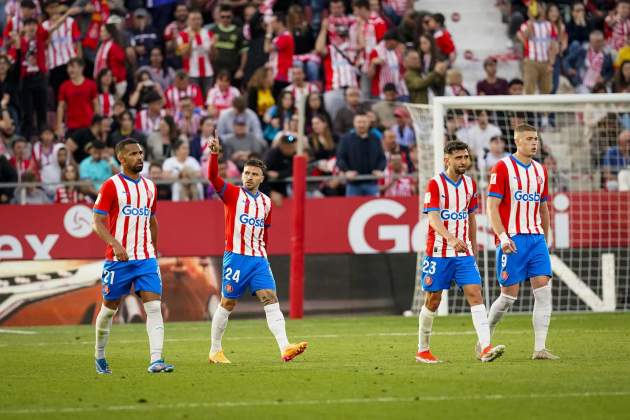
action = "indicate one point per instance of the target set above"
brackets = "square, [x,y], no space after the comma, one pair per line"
[362,189]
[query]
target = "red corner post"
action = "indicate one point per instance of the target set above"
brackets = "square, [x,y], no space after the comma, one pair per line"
[296,286]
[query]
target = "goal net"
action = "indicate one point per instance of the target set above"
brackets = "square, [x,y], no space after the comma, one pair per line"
[585,141]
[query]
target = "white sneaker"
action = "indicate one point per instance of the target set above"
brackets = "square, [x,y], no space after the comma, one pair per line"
[544,354]
[491,353]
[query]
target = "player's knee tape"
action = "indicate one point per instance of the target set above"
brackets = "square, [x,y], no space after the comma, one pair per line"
[153,307]
[507,301]
[543,294]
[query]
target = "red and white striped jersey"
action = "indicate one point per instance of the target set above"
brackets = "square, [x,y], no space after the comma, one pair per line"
[173,95]
[620,29]
[221,100]
[247,216]
[147,123]
[337,25]
[456,202]
[130,205]
[300,93]
[61,42]
[390,71]
[197,63]
[373,32]
[281,57]
[106,104]
[540,34]
[521,188]
[338,71]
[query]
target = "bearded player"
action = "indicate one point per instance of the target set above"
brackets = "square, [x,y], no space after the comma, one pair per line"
[450,202]
[124,217]
[517,207]
[245,265]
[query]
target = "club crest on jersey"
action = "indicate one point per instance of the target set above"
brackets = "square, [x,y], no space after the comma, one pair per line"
[229,288]
[428,281]
[105,290]
[539,180]
[493,179]
[504,275]
[427,198]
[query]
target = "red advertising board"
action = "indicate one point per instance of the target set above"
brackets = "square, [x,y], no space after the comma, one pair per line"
[333,226]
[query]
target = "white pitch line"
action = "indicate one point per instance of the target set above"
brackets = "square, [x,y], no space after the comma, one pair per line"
[20,332]
[340,401]
[306,336]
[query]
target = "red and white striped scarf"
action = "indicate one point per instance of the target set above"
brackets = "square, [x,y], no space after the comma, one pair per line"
[594,64]
[101,56]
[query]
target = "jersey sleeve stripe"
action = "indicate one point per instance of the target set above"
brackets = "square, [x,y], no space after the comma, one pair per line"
[103,212]
[493,194]
[430,209]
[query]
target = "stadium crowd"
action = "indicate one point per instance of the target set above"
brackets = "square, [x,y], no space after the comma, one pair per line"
[78,77]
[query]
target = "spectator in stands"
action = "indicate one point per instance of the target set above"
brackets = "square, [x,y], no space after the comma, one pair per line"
[277,118]
[410,28]
[225,123]
[280,46]
[161,72]
[199,143]
[70,194]
[369,31]
[615,159]
[443,38]
[315,106]
[478,136]
[559,180]
[254,32]
[260,95]
[44,159]
[21,157]
[172,31]
[221,95]
[621,81]
[455,83]
[238,146]
[231,46]
[344,120]
[146,88]
[78,140]
[305,56]
[125,129]
[555,18]
[360,153]
[386,66]
[63,37]
[492,85]
[396,182]
[148,120]
[390,145]
[491,156]
[78,98]
[164,192]
[384,109]
[182,87]
[299,87]
[188,120]
[516,87]
[420,80]
[30,194]
[587,66]
[405,133]
[322,143]
[14,25]
[111,55]
[106,90]
[279,163]
[97,167]
[160,142]
[183,169]
[9,88]
[195,45]
[619,24]
[28,50]
[578,27]
[540,48]
[7,174]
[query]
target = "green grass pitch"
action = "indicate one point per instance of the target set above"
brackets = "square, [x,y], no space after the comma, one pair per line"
[355,367]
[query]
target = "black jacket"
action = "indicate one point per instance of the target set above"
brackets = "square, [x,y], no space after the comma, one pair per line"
[363,155]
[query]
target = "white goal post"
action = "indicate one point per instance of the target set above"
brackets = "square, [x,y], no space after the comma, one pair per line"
[590,205]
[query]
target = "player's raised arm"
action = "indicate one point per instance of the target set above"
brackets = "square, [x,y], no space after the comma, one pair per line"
[213,167]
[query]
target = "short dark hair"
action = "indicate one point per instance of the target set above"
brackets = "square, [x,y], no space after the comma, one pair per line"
[454,146]
[515,81]
[18,140]
[281,17]
[98,145]
[223,73]
[365,4]
[76,60]
[239,103]
[96,119]
[29,21]
[225,8]
[391,35]
[124,143]
[257,163]
[521,128]
[181,74]
[439,18]
[390,87]
[178,144]
[28,4]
